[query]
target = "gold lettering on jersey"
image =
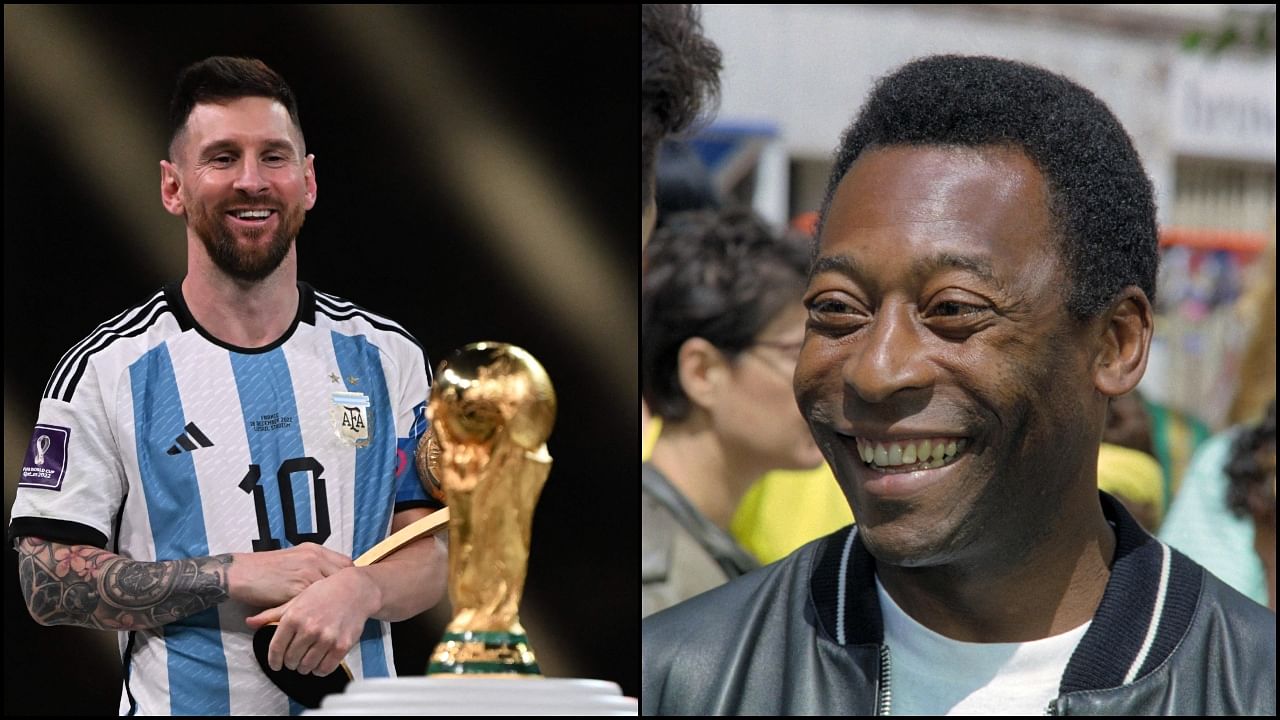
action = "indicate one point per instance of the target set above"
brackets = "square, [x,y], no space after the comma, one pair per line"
[350,415]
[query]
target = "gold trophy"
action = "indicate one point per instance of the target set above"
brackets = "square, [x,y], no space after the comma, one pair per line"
[491,410]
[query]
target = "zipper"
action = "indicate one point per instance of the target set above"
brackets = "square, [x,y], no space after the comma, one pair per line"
[884,693]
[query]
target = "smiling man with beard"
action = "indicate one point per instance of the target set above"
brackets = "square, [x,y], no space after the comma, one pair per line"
[209,461]
[981,288]
[246,222]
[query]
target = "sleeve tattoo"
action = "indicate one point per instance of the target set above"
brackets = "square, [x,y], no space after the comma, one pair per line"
[88,587]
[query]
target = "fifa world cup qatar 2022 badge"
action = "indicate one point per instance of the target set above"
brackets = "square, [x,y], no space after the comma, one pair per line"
[46,460]
[350,416]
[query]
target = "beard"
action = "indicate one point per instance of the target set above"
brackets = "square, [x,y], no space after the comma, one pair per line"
[249,261]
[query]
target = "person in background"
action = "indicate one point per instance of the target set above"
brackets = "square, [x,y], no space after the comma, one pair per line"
[1127,467]
[784,509]
[679,79]
[1252,492]
[1224,515]
[721,327]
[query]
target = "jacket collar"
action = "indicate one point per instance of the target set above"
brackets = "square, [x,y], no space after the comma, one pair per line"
[1146,608]
[718,544]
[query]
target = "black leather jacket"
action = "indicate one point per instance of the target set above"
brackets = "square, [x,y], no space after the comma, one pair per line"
[795,638]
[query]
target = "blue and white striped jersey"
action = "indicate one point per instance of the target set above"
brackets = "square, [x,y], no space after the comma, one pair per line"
[157,441]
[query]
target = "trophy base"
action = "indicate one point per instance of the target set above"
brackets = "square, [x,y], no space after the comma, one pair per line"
[471,695]
[484,653]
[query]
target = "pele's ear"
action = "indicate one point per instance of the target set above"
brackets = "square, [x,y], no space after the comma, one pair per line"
[1124,341]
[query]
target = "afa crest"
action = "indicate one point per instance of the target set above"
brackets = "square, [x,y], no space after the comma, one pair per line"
[350,416]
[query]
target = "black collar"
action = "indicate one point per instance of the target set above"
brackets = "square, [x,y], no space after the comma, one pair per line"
[1145,610]
[306,314]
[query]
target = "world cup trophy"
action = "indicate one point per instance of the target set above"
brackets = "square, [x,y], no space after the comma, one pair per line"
[491,411]
[492,407]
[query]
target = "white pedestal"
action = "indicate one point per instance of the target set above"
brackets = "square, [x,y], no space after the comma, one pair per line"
[446,695]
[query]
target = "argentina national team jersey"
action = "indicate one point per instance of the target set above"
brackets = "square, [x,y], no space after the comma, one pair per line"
[159,442]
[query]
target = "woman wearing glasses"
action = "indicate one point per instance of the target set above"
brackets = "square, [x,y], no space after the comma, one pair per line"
[721,328]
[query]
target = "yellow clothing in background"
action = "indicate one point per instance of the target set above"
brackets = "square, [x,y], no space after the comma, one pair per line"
[788,508]
[651,433]
[1131,475]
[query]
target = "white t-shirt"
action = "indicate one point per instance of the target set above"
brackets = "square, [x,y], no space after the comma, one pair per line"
[931,674]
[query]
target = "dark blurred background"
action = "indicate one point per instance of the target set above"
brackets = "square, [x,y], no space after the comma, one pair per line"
[477,180]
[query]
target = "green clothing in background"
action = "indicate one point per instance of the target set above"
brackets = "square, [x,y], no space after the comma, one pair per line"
[1202,526]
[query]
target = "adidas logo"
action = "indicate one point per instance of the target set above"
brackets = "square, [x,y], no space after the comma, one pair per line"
[190,440]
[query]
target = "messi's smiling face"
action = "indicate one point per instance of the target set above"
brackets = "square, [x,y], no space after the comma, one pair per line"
[244,184]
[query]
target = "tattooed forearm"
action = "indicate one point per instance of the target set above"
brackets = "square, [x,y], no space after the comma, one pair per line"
[85,586]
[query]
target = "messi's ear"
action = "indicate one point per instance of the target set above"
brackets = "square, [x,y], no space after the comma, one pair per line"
[171,189]
[309,176]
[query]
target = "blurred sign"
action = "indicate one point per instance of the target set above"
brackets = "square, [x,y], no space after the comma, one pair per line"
[749,165]
[1224,107]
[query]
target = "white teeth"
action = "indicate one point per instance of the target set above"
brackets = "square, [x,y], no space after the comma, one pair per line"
[254,214]
[928,454]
